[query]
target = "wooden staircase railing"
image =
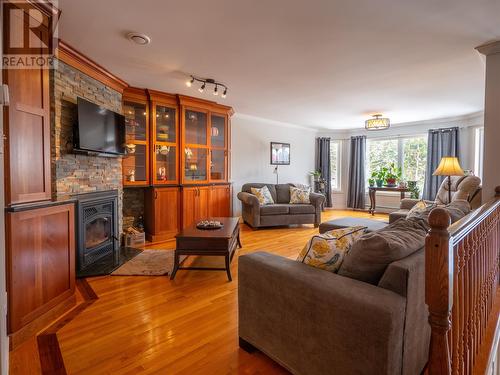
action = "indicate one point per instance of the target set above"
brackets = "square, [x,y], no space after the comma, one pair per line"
[461,283]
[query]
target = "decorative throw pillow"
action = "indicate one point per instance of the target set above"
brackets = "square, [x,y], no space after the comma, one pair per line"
[327,250]
[373,252]
[263,195]
[421,210]
[299,196]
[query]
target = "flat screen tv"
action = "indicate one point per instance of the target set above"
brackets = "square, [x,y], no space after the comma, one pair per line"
[98,129]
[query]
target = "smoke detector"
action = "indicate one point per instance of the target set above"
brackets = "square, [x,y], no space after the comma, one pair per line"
[138,38]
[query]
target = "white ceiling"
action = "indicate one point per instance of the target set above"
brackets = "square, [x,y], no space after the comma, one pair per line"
[316,63]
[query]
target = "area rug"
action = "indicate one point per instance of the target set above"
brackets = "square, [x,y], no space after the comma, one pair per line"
[148,263]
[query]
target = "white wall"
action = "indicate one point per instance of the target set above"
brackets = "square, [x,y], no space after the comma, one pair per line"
[491,170]
[390,201]
[250,147]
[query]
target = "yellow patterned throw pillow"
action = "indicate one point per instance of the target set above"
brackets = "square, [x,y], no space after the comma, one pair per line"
[263,195]
[299,196]
[327,250]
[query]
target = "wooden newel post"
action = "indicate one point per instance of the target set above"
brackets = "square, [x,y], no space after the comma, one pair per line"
[439,290]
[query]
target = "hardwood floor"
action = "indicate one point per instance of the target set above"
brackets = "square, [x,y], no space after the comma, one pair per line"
[152,325]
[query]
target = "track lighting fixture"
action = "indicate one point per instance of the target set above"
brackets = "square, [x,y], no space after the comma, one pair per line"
[204,82]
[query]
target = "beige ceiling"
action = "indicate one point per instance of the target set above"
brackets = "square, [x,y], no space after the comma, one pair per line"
[316,63]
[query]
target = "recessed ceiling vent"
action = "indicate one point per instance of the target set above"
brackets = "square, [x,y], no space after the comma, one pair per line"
[138,38]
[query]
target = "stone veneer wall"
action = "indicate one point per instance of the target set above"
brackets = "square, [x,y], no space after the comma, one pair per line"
[133,206]
[77,173]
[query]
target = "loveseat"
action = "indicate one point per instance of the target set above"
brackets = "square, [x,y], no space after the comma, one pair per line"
[281,212]
[462,188]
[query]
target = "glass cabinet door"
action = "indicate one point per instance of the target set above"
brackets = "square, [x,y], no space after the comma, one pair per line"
[135,121]
[195,164]
[165,124]
[218,131]
[165,163]
[135,164]
[218,165]
[195,124]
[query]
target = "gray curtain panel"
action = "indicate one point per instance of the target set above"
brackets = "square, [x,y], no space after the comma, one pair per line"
[356,190]
[441,142]
[323,165]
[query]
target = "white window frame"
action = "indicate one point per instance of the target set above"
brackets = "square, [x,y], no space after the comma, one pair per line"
[338,189]
[400,139]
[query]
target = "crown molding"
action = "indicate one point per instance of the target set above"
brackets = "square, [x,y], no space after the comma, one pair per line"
[490,48]
[79,61]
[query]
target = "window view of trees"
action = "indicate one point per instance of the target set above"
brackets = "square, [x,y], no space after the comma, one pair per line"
[334,164]
[410,154]
[415,160]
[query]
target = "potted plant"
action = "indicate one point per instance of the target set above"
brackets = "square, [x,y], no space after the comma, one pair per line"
[371,182]
[316,175]
[414,190]
[392,175]
[380,176]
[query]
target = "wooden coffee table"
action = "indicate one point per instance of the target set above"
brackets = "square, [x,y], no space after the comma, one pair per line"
[217,242]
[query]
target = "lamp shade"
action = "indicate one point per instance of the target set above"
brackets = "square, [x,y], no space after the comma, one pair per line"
[377,123]
[449,166]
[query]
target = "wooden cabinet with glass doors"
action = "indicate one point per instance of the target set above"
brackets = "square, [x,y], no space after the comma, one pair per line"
[205,141]
[136,161]
[164,139]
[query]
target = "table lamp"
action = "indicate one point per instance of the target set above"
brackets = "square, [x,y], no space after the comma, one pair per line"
[449,166]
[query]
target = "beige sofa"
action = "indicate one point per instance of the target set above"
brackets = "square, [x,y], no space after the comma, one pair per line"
[282,212]
[462,188]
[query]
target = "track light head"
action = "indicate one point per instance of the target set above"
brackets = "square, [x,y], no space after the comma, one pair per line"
[224,94]
[202,88]
[216,92]
[190,82]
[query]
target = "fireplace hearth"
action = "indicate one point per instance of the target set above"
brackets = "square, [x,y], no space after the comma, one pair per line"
[98,245]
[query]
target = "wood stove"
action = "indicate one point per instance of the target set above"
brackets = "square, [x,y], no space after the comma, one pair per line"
[98,248]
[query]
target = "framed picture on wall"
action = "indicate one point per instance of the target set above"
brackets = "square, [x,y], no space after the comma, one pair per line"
[280,153]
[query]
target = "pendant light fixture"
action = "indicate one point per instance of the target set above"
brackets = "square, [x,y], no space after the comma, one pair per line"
[208,81]
[377,123]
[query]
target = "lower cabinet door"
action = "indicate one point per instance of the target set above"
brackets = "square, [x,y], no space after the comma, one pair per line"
[162,213]
[41,262]
[220,201]
[189,203]
[202,203]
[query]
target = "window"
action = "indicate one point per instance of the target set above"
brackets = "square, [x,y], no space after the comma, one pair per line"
[335,148]
[408,153]
[478,152]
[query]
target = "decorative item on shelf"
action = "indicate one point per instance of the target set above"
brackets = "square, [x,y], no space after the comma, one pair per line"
[204,82]
[449,166]
[130,148]
[163,150]
[377,123]
[188,152]
[162,174]
[193,168]
[414,190]
[209,224]
[215,131]
[131,175]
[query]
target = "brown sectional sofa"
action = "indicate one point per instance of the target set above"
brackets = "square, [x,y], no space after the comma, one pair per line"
[282,212]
